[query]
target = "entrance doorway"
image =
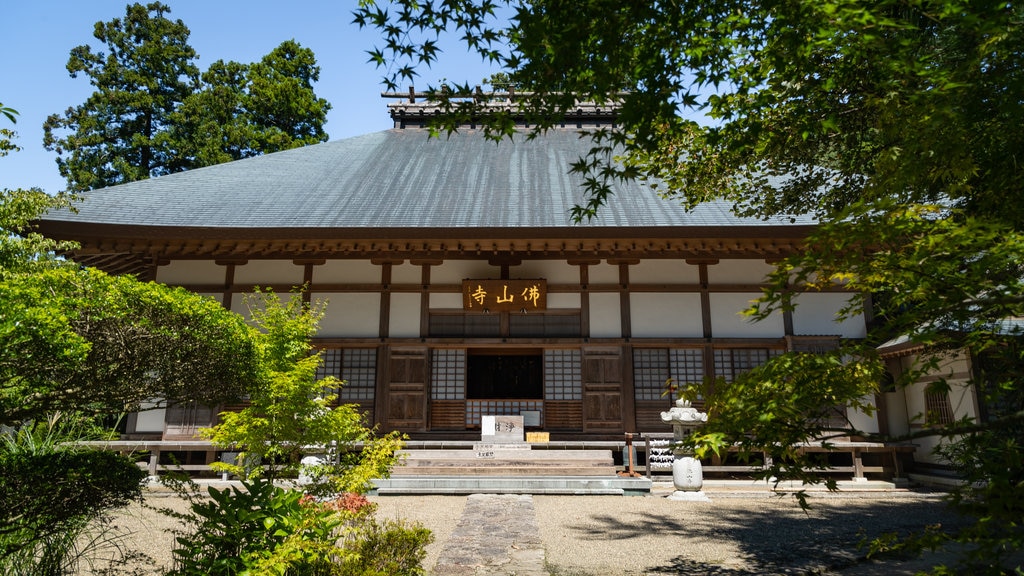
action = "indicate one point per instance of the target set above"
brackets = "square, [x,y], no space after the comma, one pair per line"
[515,375]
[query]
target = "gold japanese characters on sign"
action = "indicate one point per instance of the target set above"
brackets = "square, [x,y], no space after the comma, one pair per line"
[504,295]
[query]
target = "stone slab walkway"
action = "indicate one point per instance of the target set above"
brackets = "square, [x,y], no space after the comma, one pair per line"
[496,535]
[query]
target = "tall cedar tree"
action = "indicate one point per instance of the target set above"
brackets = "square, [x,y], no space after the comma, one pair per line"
[154,114]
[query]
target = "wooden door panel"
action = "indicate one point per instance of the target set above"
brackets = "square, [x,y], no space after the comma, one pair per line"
[602,392]
[407,391]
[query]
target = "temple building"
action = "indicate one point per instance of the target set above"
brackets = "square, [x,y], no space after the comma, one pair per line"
[458,284]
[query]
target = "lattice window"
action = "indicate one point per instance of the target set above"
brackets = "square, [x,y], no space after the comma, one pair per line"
[464,325]
[331,365]
[653,367]
[544,325]
[686,365]
[731,362]
[938,409]
[356,366]
[650,372]
[448,375]
[563,379]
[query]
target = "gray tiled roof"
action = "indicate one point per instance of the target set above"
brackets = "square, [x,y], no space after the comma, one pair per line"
[394,179]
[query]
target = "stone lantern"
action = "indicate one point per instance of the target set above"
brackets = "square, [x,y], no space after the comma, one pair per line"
[687,474]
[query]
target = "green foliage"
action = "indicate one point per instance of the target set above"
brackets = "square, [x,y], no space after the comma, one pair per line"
[264,529]
[792,401]
[809,105]
[246,110]
[21,249]
[153,114]
[257,524]
[894,123]
[291,412]
[118,134]
[80,340]
[388,548]
[54,494]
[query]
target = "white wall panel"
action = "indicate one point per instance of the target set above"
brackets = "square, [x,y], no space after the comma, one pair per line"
[664,272]
[406,273]
[191,272]
[270,272]
[728,322]
[351,315]
[446,301]
[603,273]
[405,316]
[656,315]
[150,419]
[347,272]
[605,317]
[554,271]
[815,314]
[455,271]
[563,300]
[739,272]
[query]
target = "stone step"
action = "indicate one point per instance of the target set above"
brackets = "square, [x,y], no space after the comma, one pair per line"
[568,485]
[523,470]
[498,462]
[533,455]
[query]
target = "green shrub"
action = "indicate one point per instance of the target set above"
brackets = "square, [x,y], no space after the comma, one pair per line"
[52,496]
[388,548]
[261,528]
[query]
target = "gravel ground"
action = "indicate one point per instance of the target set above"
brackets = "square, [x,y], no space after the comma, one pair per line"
[734,534]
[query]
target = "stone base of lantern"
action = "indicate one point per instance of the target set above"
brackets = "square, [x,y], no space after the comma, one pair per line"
[686,496]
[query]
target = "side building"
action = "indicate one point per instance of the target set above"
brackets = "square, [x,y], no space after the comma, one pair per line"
[458,284]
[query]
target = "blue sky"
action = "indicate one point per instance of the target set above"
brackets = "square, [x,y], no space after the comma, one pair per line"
[39,34]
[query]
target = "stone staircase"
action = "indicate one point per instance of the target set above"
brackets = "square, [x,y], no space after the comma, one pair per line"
[504,460]
[503,463]
[509,469]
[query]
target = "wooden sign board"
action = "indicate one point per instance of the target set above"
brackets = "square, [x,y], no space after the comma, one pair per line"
[505,295]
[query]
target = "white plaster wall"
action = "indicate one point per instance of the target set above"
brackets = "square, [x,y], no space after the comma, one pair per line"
[815,314]
[446,301]
[664,272]
[351,315]
[563,300]
[554,271]
[906,406]
[656,315]
[739,272]
[455,271]
[728,322]
[191,272]
[896,413]
[270,272]
[864,422]
[150,419]
[347,272]
[605,317]
[406,273]
[405,316]
[603,273]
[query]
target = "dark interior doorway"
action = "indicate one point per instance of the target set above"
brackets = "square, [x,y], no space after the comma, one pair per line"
[513,376]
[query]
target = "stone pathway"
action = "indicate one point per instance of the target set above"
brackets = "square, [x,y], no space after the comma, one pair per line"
[496,535]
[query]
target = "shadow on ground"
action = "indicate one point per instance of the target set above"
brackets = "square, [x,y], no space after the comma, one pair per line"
[777,538]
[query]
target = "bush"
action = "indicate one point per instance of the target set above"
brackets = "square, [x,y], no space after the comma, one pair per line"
[389,548]
[265,529]
[51,495]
